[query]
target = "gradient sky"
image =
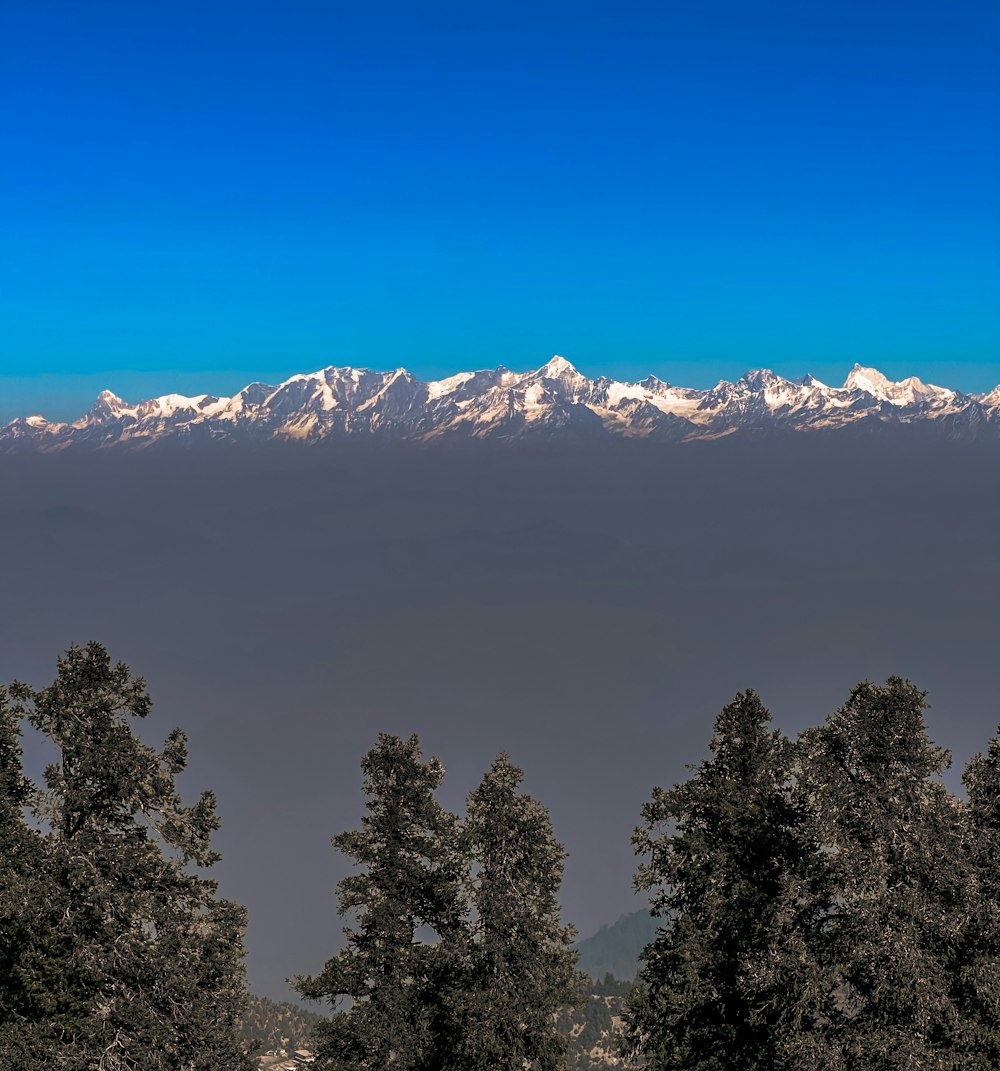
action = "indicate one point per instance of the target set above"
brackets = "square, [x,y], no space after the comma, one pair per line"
[197,195]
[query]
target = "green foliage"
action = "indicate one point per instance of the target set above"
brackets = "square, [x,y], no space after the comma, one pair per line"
[521,966]
[124,957]
[483,992]
[410,878]
[976,967]
[828,905]
[720,848]
[591,1026]
[897,880]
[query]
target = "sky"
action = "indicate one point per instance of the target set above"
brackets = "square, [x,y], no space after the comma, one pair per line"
[195,196]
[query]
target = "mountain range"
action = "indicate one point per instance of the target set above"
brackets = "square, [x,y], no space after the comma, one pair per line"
[556,399]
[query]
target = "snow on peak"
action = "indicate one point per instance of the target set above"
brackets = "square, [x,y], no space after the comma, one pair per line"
[761,379]
[558,367]
[344,400]
[910,391]
[438,388]
[870,380]
[107,404]
[168,405]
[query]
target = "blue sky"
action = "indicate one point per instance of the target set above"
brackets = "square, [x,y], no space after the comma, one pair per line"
[197,195]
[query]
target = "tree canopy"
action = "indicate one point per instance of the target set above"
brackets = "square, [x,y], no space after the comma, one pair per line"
[455,958]
[119,953]
[828,904]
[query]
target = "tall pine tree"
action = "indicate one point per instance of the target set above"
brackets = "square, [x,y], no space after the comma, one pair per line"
[976,955]
[410,878]
[521,967]
[724,856]
[897,884]
[455,958]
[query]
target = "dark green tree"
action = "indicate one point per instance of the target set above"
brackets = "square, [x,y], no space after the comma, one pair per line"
[455,958]
[36,978]
[976,952]
[391,969]
[521,967]
[725,862]
[150,962]
[897,884]
[18,859]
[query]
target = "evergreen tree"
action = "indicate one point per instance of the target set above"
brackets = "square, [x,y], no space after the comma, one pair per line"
[17,861]
[411,878]
[456,959]
[150,962]
[35,978]
[976,959]
[898,888]
[521,968]
[720,987]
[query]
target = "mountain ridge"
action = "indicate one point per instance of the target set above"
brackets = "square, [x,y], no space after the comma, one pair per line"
[554,400]
[615,948]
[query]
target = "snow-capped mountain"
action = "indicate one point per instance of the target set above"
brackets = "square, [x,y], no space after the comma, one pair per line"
[499,404]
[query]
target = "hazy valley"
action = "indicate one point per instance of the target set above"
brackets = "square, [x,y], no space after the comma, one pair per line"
[586,607]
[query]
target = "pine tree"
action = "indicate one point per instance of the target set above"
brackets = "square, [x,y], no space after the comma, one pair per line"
[898,886]
[456,959]
[36,978]
[720,989]
[411,877]
[521,967]
[976,954]
[18,860]
[150,962]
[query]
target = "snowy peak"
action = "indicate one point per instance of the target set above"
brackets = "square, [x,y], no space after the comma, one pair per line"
[911,391]
[558,368]
[761,379]
[554,400]
[557,379]
[107,406]
[870,380]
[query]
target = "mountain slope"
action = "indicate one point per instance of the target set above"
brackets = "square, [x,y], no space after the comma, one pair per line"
[615,949]
[554,400]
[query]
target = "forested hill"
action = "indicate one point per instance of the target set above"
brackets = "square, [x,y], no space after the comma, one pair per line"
[590,1025]
[615,949]
[270,1025]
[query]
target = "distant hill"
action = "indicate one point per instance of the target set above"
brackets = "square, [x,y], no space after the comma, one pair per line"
[615,949]
[269,1026]
[275,1031]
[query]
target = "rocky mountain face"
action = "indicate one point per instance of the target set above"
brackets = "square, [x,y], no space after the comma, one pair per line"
[554,400]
